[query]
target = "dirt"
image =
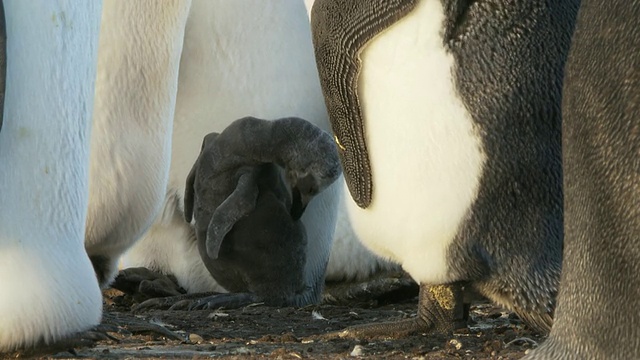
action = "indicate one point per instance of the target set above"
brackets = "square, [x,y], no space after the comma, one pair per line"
[261,332]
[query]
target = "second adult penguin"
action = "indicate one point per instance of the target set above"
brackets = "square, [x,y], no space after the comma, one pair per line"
[447,117]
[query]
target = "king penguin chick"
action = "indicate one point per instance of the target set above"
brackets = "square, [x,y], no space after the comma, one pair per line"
[447,118]
[597,315]
[241,57]
[248,227]
[247,220]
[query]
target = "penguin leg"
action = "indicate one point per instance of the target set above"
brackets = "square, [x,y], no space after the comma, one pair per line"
[440,311]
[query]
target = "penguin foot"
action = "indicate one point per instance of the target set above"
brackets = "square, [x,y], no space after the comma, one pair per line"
[227,301]
[440,311]
[387,288]
[177,302]
[142,284]
[201,301]
[68,344]
[127,325]
[112,328]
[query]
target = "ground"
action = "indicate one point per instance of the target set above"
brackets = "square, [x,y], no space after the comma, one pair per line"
[262,332]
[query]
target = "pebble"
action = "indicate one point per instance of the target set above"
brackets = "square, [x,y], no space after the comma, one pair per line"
[195,338]
[456,344]
[358,350]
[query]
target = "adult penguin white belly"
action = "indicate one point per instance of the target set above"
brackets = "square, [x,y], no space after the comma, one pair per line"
[597,315]
[48,288]
[447,115]
[240,58]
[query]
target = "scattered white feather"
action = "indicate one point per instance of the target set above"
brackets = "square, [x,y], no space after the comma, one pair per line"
[217,314]
[317,316]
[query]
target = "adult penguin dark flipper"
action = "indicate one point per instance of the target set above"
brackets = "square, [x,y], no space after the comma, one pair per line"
[447,118]
[599,300]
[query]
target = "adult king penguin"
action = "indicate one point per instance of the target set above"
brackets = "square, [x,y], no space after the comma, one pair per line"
[597,315]
[447,117]
[48,287]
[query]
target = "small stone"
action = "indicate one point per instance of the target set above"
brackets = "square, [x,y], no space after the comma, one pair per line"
[195,338]
[358,350]
[242,350]
[455,344]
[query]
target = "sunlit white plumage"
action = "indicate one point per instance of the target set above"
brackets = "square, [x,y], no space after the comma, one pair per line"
[47,285]
[426,158]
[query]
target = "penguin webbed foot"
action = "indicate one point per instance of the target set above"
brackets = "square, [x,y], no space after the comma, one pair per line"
[143,284]
[198,301]
[112,328]
[227,301]
[68,344]
[389,287]
[440,311]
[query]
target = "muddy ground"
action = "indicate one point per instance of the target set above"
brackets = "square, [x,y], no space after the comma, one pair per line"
[262,332]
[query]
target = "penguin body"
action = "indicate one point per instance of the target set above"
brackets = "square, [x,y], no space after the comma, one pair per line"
[447,116]
[49,289]
[247,220]
[597,315]
[264,252]
[350,259]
